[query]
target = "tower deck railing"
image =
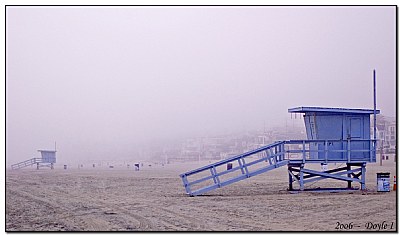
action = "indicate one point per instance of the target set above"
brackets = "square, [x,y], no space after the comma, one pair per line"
[302,150]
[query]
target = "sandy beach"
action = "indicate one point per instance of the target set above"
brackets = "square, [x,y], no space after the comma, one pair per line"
[153,199]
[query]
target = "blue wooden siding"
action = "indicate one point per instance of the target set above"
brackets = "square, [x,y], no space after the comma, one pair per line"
[339,126]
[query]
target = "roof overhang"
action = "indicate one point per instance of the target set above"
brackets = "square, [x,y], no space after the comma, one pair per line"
[331,110]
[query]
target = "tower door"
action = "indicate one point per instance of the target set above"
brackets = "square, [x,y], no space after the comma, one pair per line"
[355,131]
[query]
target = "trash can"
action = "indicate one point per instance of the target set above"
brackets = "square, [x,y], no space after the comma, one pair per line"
[229,166]
[324,166]
[383,182]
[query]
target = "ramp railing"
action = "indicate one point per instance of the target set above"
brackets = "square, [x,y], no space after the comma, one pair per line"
[26,163]
[234,169]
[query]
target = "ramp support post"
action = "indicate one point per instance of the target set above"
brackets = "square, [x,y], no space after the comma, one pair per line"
[348,168]
[363,171]
[290,181]
[301,177]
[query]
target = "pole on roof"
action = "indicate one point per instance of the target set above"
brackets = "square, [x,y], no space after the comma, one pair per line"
[374,105]
[374,141]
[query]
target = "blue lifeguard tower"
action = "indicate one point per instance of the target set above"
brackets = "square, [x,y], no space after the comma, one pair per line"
[334,135]
[48,158]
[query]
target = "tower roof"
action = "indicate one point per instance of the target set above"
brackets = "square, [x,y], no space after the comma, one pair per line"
[49,151]
[331,110]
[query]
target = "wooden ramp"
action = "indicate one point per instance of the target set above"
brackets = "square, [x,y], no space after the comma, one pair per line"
[26,163]
[234,169]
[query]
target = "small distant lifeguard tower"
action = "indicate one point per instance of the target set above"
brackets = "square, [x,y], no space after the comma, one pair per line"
[334,135]
[48,158]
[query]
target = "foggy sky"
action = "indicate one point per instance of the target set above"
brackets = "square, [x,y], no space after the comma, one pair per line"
[103,81]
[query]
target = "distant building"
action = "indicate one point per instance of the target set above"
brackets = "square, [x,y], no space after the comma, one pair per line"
[386,134]
[390,137]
